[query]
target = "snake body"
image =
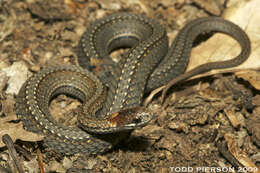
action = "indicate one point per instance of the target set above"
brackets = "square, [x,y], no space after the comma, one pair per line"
[147,65]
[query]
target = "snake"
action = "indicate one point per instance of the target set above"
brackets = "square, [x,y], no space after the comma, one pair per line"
[112,99]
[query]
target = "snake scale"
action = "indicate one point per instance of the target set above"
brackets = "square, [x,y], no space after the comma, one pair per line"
[115,108]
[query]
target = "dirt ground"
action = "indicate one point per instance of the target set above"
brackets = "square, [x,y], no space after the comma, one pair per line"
[205,124]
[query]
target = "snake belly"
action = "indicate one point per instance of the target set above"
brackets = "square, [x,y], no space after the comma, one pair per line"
[147,65]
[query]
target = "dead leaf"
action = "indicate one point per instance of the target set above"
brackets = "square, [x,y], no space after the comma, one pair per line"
[211,6]
[239,154]
[252,76]
[15,130]
[17,74]
[222,47]
[232,117]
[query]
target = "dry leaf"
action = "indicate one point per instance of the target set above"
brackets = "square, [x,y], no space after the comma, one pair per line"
[15,130]
[252,76]
[17,74]
[232,117]
[222,47]
[239,154]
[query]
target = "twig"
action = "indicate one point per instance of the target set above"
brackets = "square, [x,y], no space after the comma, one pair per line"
[40,162]
[10,145]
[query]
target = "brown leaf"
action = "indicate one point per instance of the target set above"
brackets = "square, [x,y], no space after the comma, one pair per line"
[252,76]
[222,47]
[232,117]
[15,130]
[239,154]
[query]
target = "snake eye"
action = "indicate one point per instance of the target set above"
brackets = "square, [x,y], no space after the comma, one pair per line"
[137,120]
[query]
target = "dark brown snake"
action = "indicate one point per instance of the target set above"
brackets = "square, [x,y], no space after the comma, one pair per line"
[148,65]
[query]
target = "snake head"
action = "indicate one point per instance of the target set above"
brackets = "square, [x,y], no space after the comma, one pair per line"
[129,119]
[123,120]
